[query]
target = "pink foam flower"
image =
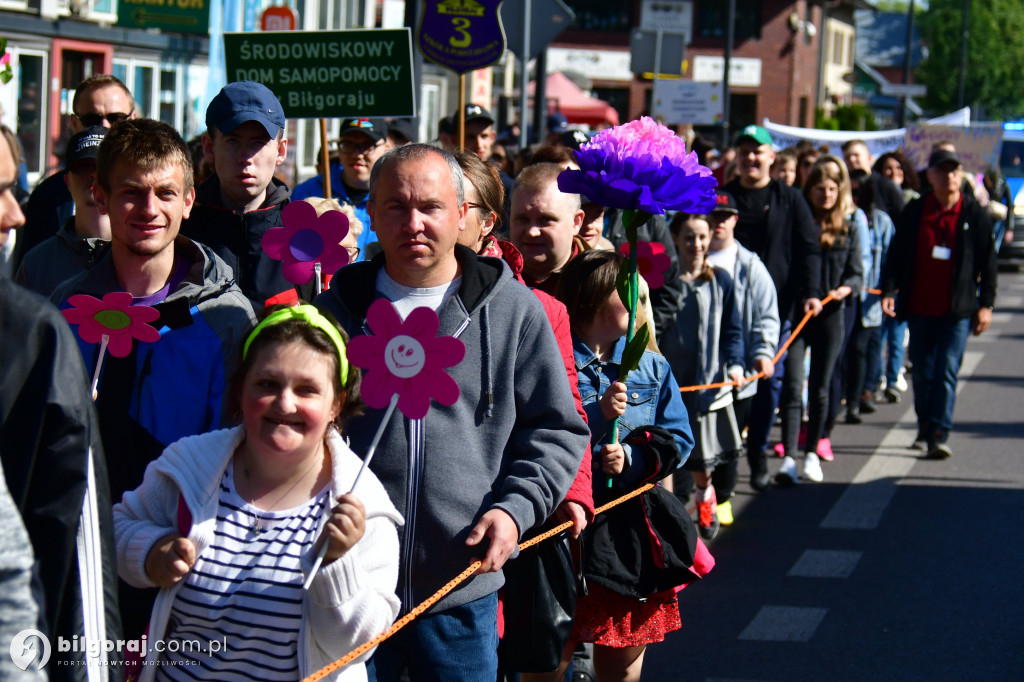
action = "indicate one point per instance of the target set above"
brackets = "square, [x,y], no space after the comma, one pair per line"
[306,239]
[651,261]
[407,358]
[114,317]
[643,166]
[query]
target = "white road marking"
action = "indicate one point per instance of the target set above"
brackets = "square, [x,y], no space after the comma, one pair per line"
[784,624]
[1001,318]
[821,563]
[865,499]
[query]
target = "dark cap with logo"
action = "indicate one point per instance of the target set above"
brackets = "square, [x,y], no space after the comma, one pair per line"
[374,128]
[941,156]
[84,145]
[474,112]
[725,202]
[245,101]
[557,123]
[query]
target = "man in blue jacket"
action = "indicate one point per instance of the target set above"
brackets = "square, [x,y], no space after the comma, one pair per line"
[176,386]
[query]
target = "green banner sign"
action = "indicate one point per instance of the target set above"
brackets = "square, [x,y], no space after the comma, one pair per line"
[178,16]
[328,74]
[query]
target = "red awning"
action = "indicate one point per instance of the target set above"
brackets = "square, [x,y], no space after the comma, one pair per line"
[565,97]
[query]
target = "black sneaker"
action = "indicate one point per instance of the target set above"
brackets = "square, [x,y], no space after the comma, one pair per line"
[853,416]
[920,443]
[892,395]
[760,479]
[867,403]
[937,447]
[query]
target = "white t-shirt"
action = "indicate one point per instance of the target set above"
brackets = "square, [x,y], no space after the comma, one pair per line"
[725,258]
[406,299]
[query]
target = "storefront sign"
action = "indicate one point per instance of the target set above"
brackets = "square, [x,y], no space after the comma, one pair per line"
[612,65]
[462,35]
[177,16]
[679,101]
[328,74]
[743,71]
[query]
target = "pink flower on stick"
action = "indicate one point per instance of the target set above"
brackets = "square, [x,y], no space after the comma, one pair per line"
[307,239]
[406,358]
[651,261]
[114,317]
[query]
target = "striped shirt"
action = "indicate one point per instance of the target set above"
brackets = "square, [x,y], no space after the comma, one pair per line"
[242,601]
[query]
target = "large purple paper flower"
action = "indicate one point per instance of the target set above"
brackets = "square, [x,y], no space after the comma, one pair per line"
[641,165]
[307,239]
[407,358]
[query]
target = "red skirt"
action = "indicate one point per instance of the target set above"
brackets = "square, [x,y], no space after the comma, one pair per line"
[611,619]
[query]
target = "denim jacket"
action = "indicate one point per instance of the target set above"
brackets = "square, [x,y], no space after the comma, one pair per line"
[652,397]
[874,244]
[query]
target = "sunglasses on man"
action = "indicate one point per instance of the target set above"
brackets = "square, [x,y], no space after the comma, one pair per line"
[89,120]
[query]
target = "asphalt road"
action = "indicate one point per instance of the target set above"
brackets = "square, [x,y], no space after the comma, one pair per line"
[894,568]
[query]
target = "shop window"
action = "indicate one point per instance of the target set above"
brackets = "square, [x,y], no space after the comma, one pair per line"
[31,85]
[601,15]
[712,20]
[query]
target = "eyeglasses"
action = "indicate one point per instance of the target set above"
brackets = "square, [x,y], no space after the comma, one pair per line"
[353,253]
[346,147]
[90,120]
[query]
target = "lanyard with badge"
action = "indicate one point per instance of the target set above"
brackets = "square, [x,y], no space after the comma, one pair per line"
[943,252]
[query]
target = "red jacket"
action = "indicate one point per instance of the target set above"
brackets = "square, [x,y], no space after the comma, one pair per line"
[581,491]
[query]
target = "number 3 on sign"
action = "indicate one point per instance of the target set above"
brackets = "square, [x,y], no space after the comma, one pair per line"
[460,24]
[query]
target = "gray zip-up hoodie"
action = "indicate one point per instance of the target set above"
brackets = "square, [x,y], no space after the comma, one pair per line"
[513,441]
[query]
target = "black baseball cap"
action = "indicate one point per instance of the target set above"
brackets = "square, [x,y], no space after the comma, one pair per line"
[941,156]
[725,202]
[404,128]
[374,128]
[473,112]
[84,144]
[244,101]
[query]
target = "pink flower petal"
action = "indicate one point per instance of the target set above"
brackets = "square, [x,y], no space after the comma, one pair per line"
[141,314]
[275,241]
[414,404]
[367,351]
[85,302]
[384,320]
[296,272]
[145,333]
[120,345]
[444,351]
[440,385]
[378,387]
[421,324]
[117,299]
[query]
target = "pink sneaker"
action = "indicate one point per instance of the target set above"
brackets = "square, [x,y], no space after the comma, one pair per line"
[825,450]
[801,440]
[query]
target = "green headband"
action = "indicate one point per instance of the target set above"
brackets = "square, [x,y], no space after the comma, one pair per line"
[311,316]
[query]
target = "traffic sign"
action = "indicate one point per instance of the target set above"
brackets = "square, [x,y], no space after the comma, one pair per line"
[903,90]
[644,44]
[181,16]
[548,18]
[462,35]
[279,18]
[679,101]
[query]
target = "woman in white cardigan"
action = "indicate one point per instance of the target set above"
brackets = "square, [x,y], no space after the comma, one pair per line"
[257,502]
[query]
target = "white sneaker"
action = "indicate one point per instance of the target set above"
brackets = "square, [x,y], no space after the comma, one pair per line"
[901,381]
[787,475]
[812,468]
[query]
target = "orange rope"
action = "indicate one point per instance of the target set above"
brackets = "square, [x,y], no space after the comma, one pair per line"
[451,585]
[760,375]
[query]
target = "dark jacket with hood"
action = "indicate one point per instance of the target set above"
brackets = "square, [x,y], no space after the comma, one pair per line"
[47,430]
[236,238]
[974,271]
[58,258]
[791,250]
[513,441]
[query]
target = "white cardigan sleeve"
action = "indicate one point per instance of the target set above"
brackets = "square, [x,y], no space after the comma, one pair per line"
[142,517]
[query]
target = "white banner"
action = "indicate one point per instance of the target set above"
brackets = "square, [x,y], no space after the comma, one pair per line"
[878,141]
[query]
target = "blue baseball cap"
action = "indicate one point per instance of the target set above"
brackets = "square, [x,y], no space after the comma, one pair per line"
[244,101]
[557,123]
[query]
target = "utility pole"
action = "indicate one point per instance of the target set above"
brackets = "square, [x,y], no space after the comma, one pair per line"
[726,67]
[963,57]
[908,46]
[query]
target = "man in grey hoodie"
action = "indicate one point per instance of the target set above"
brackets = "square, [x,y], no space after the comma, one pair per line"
[471,478]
